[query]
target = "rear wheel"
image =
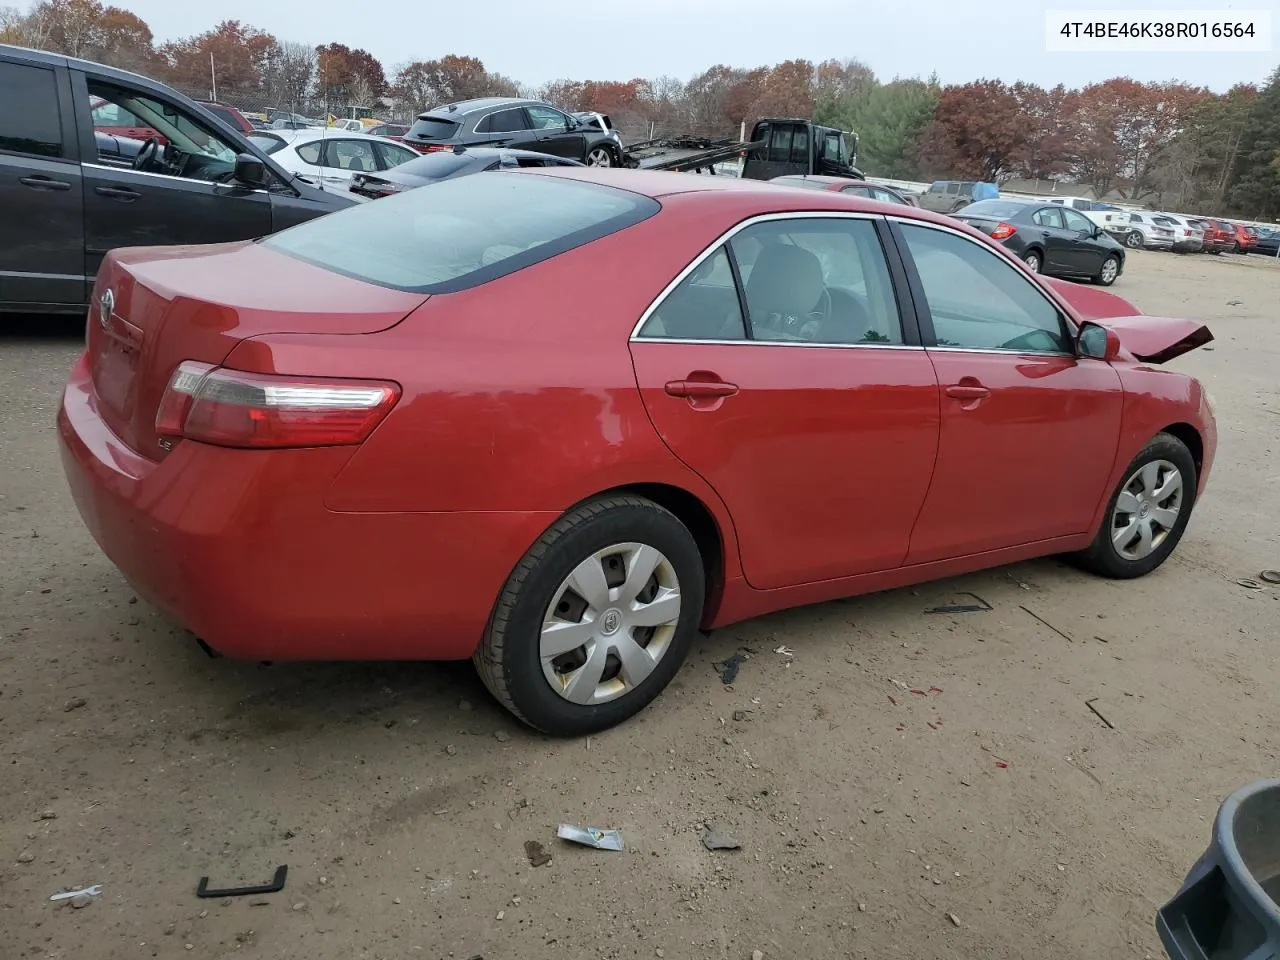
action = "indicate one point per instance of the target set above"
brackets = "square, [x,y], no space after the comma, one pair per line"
[1108,272]
[1147,513]
[600,157]
[596,618]
[1032,259]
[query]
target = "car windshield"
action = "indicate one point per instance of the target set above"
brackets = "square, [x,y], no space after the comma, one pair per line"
[462,232]
[992,208]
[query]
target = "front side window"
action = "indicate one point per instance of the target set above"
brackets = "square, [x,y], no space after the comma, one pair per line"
[462,232]
[545,118]
[30,121]
[1077,222]
[979,301]
[190,149]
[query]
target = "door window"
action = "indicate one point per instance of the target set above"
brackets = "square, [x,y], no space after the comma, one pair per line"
[504,121]
[393,156]
[953,188]
[704,306]
[857,191]
[30,121]
[1077,221]
[356,156]
[1049,217]
[192,151]
[817,280]
[887,197]
[114,115]
[544,118]
[979,301]
[310,152]
[780,144]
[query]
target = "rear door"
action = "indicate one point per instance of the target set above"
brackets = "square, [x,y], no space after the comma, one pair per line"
[188,197]
[813,412]
[510,127]
[1052,231]
[41,199]
[341,157]
[1029,430]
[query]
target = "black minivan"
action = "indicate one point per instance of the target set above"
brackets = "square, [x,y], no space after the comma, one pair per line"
[71,190]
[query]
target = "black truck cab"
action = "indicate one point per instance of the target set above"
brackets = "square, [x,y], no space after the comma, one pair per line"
[69,193]
[789,145]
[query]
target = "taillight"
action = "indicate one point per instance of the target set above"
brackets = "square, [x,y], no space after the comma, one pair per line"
[1003,231]
[231,408]
[434,147]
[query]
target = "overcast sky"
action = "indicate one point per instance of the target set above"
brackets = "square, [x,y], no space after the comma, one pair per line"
[615,40]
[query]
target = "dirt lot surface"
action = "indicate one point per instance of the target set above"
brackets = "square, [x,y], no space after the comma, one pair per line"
[990,815]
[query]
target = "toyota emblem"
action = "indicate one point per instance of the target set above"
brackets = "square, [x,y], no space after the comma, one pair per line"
[106,306]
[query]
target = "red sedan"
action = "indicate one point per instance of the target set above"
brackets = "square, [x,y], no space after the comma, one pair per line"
[559,421]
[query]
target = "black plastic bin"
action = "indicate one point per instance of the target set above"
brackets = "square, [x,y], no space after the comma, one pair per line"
[1229,905]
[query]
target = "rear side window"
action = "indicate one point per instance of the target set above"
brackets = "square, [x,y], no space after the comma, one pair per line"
[30,121]
[462,232]
[504,121]
[310,152]
[433,128]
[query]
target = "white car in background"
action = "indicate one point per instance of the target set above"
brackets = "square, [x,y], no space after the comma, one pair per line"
[1187,237]
[330,158]
[1152,231]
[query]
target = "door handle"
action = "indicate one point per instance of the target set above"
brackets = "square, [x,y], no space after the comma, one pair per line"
[700,389]
[44,183]
[118,193]
[968,391]
[1044,233]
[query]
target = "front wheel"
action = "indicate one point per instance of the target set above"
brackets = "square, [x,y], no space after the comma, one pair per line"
[1108,272]
[1147,513]
[1134,240]
[596,618]
[600,157]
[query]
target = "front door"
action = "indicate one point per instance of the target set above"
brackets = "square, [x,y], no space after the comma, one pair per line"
[41,204]
[812,416]
[1029,430]
[555,135]
[180,193]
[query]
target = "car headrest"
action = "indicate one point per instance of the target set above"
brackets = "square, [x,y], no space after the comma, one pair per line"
[785,279]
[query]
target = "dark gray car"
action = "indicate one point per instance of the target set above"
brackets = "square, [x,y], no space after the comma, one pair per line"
[445,165]
[69,193]
[520,125]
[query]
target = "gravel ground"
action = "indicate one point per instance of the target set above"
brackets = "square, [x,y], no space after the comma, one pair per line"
[990,815]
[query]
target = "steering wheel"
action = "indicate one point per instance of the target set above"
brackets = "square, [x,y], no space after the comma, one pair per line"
[146,153]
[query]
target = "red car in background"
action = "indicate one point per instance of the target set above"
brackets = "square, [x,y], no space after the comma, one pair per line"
[381,434]
[394,131]
[229,115]
[1242,241]
[117,121]
[1218,235]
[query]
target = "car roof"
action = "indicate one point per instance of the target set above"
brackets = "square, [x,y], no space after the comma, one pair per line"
[465,107]
[61,60]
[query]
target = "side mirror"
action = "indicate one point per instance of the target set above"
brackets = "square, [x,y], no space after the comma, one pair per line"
[250,171]
[1097,342]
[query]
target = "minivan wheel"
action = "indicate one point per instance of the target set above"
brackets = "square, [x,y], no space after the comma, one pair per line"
[1147,513]
[596,618]
[600,157]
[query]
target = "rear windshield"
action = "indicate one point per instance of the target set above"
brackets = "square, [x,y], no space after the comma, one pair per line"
[992,208]
[432,128]
[266,143]
[462,232]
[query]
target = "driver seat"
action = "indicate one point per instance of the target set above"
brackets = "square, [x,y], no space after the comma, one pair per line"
[785,280]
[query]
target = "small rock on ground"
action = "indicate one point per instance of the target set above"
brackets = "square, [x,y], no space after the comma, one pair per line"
[81,901]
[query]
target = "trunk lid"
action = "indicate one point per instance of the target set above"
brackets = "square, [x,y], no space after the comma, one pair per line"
[154,307]
[1158,339]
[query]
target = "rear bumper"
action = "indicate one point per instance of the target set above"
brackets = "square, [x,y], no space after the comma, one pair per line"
[1189,245]
[237,546]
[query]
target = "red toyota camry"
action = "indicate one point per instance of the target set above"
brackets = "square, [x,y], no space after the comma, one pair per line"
[557,421]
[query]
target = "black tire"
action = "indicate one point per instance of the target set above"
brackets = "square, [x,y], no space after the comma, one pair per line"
[1100,278]
[1034,259]
[608,153]
[1135,240]
[1102,557]
[508,658]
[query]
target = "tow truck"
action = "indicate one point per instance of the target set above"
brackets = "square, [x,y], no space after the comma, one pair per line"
[778,146]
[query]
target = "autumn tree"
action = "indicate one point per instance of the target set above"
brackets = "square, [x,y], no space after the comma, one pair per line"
[839,87]
[82,28]
[977,133]
[423,84]
[785,90]
[344,74]
[233,55]
[288,74]
[719,99]
[1049,146]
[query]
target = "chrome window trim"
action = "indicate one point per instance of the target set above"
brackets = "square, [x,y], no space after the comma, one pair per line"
[944,228]
[164,176]
[717,244]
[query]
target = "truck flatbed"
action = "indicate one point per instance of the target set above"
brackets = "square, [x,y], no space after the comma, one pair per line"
[686,154]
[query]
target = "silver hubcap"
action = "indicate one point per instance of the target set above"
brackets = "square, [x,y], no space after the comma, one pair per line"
[1033,262]
[1135,239]
[600,158]
[609,624]
[1109,271]
[1147,509]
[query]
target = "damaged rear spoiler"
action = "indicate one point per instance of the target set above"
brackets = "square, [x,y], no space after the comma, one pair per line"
[1158,339]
